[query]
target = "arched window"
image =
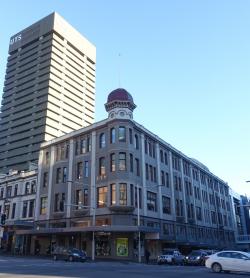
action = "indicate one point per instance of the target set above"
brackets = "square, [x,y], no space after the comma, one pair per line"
[102,141]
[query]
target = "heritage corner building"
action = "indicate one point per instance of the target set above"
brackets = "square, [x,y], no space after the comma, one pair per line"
[89,179]
[49,89]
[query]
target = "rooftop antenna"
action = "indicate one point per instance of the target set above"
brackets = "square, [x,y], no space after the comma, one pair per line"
[119,69]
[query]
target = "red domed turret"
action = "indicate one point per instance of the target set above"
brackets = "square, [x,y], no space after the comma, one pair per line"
[120,104]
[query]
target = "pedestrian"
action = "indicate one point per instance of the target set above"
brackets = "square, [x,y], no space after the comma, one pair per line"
[147,255]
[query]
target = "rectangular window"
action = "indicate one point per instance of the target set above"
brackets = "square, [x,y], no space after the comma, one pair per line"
[132,194]
[130,136]
[8,191]
[151,201]
[2,192]
[136,197]
[162,178]
[122,161]
[79,170]
[102,169]
[47,158]
[43,205]
[123,194]
[147,171]
[27,188]
[166,205]
[76,148]
[131,163]
[31,208]
[102,194]
[82,146]
[56,202]
[58,175]
[85,197]
[13,211]
[198,213]
[64,174]
[62,202]
[25,209]
[137,167]
[113,194]
[112,162]
[86,169]
[167,180]
[88,147]
[78,198]
[122,134]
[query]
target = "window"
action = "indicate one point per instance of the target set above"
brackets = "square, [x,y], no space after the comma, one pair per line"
[102,141]
[16,190]
[64,174]
[161,156]
[88,147]
[45,179]
[112,162]
[122,161]
[56,202]
[85,197]
[31,208]
[131,163]
[47,158]
[78,198]
[166,158]
[122,134]
[112,135]
[198,213]
[82,146]
[132,194]
[13,211]
[8,191]
[33,187]
[123,194]
[113,194]
[102,196]
[27,188]
[102,170]
[137,167]
[58,175]
[2,192]
[43,205]
[166,205]
[130,136]
[25,209]
[147,172]
[167,180]
[62,202]
[136,142]
[179,207]
[79,170]
[151,201]
[86,169]
[76,148]
[162,178]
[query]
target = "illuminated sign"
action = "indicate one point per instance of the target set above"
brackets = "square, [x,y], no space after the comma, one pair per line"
[15,39]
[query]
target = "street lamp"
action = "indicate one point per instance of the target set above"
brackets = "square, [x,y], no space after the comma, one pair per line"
[79,205]
[139,220]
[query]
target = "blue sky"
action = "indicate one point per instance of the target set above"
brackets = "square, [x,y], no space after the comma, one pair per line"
[186,63]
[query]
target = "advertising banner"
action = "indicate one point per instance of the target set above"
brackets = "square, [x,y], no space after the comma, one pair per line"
[122,247]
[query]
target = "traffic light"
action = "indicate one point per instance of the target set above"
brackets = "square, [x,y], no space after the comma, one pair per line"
[3,218]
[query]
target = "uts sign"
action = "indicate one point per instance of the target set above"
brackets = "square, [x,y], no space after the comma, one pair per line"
[15,39]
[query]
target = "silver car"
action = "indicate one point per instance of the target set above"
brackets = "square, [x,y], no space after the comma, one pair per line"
[229,261]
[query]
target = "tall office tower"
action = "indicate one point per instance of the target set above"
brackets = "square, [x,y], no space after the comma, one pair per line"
[49,89]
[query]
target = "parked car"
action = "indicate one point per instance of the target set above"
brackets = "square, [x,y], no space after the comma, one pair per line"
[170,257]
[69,254]
[229,261]
[196,257]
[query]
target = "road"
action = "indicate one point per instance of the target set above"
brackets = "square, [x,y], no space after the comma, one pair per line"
[22,267]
